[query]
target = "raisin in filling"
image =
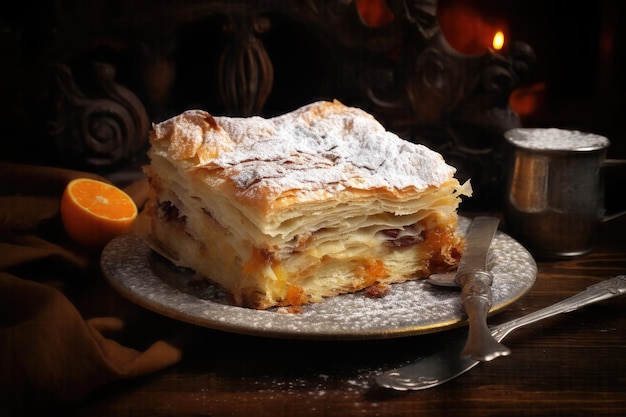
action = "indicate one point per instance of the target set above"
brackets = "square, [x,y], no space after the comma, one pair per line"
[402,238]
[169,212]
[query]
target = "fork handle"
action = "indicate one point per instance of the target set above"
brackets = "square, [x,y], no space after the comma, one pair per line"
[608,288]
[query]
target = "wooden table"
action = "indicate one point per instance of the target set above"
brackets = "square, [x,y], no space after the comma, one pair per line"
[569,365]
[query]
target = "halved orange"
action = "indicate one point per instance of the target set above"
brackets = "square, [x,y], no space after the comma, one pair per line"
[94,212]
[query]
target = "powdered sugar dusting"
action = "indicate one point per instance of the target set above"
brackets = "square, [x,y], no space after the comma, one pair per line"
[556,139]
[325,143]
[409,308]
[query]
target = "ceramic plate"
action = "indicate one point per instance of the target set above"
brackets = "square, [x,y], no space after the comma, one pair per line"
[409,308]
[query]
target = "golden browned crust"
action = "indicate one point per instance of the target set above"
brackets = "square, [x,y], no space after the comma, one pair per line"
[286,211]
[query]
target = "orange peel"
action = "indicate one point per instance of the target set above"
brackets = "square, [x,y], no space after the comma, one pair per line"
[94,212]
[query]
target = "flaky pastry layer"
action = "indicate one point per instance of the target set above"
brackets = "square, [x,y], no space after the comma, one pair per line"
[289,210]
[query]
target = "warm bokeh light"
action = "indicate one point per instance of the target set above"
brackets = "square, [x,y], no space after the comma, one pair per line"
[498,40]
[471,31]
[525,101]
[374,13]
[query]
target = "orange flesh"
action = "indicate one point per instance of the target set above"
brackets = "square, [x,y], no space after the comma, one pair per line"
[258,259]
[102,200]
[94,212]
[371,270]
[295,295]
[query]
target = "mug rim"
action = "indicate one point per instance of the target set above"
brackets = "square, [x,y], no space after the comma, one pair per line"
[593,141]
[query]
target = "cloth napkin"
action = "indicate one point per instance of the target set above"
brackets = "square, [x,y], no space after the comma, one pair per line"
[63,331]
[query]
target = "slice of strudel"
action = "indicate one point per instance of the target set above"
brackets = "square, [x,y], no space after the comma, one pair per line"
[289,210]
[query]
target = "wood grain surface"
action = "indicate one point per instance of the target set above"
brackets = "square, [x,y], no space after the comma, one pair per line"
[569,365]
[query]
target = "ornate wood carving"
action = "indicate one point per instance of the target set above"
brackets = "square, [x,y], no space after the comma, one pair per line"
[402,71]
[246,73]
[100,128]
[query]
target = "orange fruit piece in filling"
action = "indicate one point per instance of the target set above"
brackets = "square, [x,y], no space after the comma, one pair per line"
[94,212]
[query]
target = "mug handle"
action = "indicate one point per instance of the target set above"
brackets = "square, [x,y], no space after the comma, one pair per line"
[613,163]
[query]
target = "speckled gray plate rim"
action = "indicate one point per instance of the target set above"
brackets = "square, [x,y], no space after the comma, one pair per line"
[409,308]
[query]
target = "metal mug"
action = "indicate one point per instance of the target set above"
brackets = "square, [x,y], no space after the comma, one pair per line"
[555,189]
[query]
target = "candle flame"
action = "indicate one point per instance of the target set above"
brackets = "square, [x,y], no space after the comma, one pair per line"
[498,40]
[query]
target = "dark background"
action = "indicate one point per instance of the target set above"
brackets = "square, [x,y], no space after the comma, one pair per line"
[577,80]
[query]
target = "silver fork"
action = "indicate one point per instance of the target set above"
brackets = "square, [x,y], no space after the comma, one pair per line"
[448,364]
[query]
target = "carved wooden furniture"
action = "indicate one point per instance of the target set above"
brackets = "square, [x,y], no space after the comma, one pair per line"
[114,67]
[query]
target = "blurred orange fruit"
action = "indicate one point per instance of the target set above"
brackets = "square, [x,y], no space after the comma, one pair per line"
[94,212]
